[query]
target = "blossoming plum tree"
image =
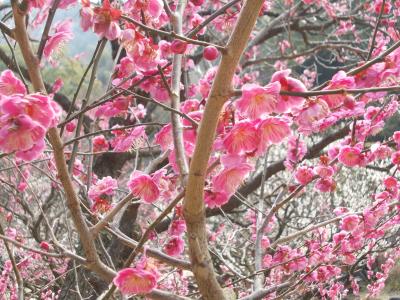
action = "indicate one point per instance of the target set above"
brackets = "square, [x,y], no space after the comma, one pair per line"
[216,162]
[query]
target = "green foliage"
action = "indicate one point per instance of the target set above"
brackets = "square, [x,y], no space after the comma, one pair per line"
[70,70]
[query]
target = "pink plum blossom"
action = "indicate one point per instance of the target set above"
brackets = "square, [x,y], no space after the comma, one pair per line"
[44,245]
[309,117]
[20,133]
[257,101]
[296,150]
[395,158]
[339,81]
[349,223]
[215,199]
[396,137]
[390,182]
[349,156]
[127,140]
[355,287]
[242,138]
[37,3]
[105,21]
[38,107]
[210,53]
[340,210]
[232,175]
[144,187]
[174,246]
[370,76]
[10,84]
[381,151]
[144,53]
[35,151]
[304,175]
[178,46]
[177,227]
[64,4]
[324,171]
[62,34]
[135,281]
[272,130]
[104,187]
[287,83]
[100,143]
[197,2]
[152,8]
[164,138]
[114,108]
[70,126]
[87,16]
[325,185]
[57,85]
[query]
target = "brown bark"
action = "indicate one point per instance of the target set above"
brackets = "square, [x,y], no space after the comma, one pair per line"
[194,210]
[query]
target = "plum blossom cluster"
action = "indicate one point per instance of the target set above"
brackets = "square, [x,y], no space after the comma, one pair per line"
[321,257]
[24,118]
[61,35]
[153,187]
[101,194]
[31,266]
[262,116]
[257,119]
[175,244]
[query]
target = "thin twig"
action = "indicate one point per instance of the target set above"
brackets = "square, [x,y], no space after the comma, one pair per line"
[110,215]
[109,130]
[172,34]
[371,49]
[85,102]
[46,30]
[144,239]
[18,277]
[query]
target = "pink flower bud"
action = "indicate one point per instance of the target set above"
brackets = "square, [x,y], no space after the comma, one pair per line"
[210,53]
[174,246]
[70,127]
[45,246]
[178,46]
[197,2]
[395,159]
[396,137]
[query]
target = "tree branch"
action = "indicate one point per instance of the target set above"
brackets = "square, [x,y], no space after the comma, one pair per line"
[73,203]
[194,210]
